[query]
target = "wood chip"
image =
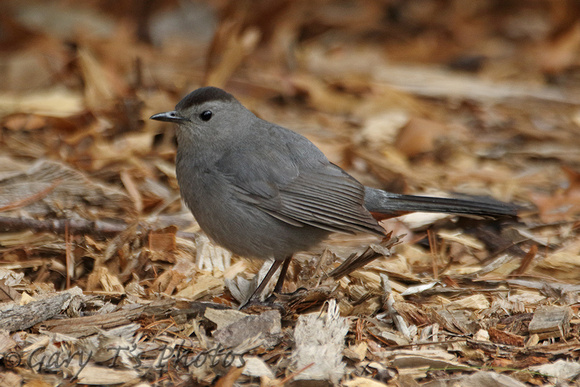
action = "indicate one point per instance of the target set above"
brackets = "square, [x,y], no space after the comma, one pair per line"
[551,322]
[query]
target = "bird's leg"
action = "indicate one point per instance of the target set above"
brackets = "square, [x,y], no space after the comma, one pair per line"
[266,279]
[283,271]
[254,298]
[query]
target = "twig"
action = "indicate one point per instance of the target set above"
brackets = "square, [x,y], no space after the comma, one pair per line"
[31,199]
[356,261]
[58,226]
[293,375]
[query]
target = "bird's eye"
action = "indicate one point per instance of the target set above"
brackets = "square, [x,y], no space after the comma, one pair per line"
[206,115]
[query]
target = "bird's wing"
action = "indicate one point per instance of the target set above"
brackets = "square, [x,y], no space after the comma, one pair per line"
[311,192]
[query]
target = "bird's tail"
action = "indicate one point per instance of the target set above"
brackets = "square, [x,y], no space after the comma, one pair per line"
[389,204]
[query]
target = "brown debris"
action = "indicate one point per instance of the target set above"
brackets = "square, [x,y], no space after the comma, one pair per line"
[19,317]
[551,321]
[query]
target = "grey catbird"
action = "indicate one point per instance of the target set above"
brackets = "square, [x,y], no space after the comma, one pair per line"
[261,190]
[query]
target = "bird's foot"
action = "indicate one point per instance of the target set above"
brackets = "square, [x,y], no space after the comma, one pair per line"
[274,301]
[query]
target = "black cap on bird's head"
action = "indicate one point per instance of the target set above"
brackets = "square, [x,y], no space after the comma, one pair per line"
[195,98]
[203,95]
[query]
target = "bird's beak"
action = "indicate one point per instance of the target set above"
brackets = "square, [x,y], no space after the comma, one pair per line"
[171,116]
